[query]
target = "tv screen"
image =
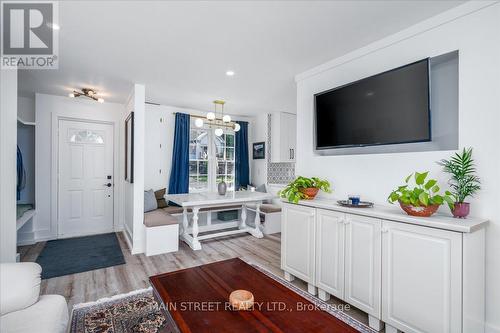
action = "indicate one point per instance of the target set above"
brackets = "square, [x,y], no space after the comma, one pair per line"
[387,108]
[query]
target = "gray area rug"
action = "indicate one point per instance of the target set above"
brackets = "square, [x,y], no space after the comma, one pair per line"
[75,255]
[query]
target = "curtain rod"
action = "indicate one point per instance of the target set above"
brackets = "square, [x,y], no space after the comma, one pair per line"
[204,118]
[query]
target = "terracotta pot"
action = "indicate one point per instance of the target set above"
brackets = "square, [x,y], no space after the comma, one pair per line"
[420,211]
[310,192]
[461,210]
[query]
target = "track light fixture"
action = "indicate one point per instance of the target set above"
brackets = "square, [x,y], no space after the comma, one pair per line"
[87,92]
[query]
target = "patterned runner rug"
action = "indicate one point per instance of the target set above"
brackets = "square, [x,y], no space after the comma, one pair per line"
[139,312]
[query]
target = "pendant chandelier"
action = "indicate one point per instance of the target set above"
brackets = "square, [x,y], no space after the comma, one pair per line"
[217,120]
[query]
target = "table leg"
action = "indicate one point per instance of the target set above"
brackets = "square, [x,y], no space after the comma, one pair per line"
[184,221]
[196,243]
[209,217]
[256,232]
[243,221]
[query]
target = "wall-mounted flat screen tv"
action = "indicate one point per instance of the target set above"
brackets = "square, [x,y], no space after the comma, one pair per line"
[388,108]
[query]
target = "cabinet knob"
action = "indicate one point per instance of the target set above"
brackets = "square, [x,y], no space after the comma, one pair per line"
[346,221]
[384,229]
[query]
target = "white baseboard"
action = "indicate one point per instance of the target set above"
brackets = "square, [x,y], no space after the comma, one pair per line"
[26,238]
[74,235]
[128,237]
[489,328]
[30,238]
[26,242]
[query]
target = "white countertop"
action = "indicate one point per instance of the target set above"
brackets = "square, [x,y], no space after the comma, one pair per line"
[213,198]
[395,213]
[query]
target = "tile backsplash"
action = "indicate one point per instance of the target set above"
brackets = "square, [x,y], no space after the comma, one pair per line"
[277,173]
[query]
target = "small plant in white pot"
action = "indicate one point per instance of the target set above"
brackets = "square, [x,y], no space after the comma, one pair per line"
[463,183]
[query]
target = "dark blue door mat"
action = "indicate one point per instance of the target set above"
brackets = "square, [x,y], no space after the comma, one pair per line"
[75,255]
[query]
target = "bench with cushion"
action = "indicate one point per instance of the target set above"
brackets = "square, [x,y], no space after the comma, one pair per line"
[270,217]
[162,229]
[162,232]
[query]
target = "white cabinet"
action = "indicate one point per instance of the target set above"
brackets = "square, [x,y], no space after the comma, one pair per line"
[297,242]
[330,253]
[421,278]
[363,263]
[283,137]
[413,277]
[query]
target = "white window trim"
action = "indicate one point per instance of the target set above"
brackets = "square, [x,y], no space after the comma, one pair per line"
[212,159]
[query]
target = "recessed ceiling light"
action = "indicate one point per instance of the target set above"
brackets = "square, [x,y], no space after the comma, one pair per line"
[230,73]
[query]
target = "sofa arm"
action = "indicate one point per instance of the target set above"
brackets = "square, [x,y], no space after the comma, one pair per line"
[19,286]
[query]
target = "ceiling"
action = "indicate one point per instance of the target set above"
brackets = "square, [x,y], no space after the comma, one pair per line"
[182,50]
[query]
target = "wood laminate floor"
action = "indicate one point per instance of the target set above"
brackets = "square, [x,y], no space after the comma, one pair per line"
[106,282]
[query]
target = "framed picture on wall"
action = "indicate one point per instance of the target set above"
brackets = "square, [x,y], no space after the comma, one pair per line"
[259,150]
[129,148]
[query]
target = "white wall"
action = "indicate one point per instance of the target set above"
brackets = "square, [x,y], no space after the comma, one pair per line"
[8,135]
[26,109]
[159,138]
[475,33]
[26,143]
[162,132]
[48,110]
[259,134]
[133,200]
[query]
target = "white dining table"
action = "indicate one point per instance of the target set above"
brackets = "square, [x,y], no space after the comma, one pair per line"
[212,200]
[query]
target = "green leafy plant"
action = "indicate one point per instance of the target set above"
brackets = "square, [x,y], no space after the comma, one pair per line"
[425,193]
[464,182]
[293,193]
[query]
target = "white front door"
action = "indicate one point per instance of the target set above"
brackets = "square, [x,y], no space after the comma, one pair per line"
[85,195]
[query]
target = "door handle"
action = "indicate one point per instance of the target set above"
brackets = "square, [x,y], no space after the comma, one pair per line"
[289,153]
[108,184]
[293,154]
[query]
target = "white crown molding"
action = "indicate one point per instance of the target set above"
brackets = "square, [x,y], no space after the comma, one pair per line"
[419,28]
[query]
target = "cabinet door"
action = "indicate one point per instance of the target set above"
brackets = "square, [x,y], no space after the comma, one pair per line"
[363,263]
[421,278]
[290,121]
[285,129]
[330,252]
[297,241]
[283,137]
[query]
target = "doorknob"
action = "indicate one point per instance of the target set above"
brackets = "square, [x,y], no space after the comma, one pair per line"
[108,184]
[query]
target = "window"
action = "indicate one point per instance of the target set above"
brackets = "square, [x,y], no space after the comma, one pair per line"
[211,159]
[198,160]
[86,136]
[224,147]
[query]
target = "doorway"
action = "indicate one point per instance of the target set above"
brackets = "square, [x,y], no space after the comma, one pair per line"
[85,179]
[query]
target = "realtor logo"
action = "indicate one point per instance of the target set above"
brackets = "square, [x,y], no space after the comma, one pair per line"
[29,34]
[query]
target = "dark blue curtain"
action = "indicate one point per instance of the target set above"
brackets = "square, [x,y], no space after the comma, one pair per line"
[21,174]
[179,175]
[241,156]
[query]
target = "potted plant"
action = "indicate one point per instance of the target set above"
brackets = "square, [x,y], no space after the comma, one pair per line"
[463,183]
[304,188]
[422,200]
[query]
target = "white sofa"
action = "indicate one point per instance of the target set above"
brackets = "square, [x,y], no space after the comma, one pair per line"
[22,309]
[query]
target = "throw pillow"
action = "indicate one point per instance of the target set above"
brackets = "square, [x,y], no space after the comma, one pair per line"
[162,203]
[149,201]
